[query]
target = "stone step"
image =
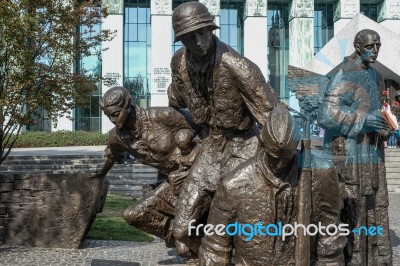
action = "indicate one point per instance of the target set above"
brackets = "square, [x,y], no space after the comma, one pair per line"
[393,170]
[393,176]
[53,157]
[392,188]
[132,182]
[40,167]
[51,163]
[392,160]
[390,164]
[392,152]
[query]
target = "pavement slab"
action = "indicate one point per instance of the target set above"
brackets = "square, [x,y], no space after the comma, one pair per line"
[125,253]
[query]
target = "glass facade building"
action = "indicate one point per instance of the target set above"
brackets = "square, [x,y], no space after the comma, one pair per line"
[88,118]
[136,29]
[137,48]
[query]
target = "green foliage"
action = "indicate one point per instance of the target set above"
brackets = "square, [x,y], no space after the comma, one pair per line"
[31,139]
[41,45]
[110,225]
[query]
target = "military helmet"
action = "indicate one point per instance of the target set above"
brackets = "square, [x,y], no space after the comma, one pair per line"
[191,16]
[280,133]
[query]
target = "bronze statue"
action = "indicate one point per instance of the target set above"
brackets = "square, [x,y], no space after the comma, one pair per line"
[264,191]
[227,96]
[354,134]
[148,134]
[160,137]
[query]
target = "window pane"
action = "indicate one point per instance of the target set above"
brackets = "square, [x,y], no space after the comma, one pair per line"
[132,33]
[142,15]
[224,16]
[95,108]
[148,34]
[233,16]
[132,15]
[233,35]
[142,32]
[224,34]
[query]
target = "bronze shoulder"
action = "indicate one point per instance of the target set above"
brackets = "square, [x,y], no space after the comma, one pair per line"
[177,58]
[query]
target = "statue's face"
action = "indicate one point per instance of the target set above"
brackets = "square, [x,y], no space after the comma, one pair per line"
[117,115]
[369,48]
[198,42]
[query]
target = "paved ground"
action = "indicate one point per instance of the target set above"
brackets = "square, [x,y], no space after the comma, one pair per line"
[122,253]
[93,252]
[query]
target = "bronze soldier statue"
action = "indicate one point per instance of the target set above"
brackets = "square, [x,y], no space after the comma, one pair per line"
[265,191]
[227,96]
[156,136]
[354,133]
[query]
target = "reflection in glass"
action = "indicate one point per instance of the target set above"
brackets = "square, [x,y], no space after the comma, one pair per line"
[278,48]
[370,10]
[90,66]
[231,24]
[323,25]
[137,50]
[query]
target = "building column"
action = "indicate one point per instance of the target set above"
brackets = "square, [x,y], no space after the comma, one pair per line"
[256,34]
[301,36]
[112,59]
[345,10]
[214,7]
[389,15]
[161,51]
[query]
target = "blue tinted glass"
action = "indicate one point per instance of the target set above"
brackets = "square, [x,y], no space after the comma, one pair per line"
[142,32]
[233,35]
[126,61]
[132,34]
[224,19]
[317,18]
[148,34]
[142,15]
[132,15]
[224,35]
[233,16]
[136,59]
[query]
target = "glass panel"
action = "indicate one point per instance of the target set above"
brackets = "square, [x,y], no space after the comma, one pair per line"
[142,32]
[233,16]
[132,15]
[278,55]
[137,57]
[233,35]
[95,107]
[224,19]
[136,50]
[142,15]
[148,39]
[95,124]
[224,35]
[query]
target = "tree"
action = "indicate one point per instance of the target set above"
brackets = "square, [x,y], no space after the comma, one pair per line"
[41,43]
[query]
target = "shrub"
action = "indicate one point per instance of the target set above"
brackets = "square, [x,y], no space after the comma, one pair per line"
[30,139]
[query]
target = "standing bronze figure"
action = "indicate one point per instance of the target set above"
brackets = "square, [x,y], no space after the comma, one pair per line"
[227,96]
[265,191]
[354,133]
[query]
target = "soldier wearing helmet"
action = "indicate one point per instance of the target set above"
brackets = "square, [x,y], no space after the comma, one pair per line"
[265,191]
[227,96]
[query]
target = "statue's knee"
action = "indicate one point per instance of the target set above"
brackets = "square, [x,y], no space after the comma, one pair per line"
[133,214]
[180,232]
